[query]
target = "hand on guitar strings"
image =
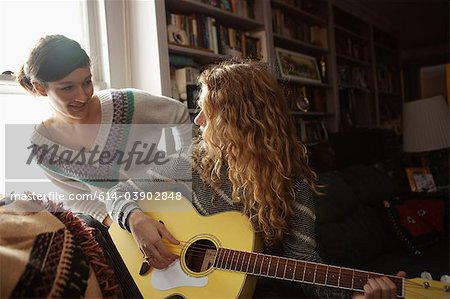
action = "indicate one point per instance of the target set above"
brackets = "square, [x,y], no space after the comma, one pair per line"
[379,288]
[148,234]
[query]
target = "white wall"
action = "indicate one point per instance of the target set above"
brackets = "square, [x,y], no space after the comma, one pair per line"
[137,45]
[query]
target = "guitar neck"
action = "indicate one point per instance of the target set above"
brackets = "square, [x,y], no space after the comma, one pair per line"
[295,270]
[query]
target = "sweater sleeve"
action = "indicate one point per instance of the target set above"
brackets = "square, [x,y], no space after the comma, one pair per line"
[300,242]
[174,175]
[159,110]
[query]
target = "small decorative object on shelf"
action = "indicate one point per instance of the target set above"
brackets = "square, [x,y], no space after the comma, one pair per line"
[297,67]
[306,98]
[323,68]
[420,179]
[302,102]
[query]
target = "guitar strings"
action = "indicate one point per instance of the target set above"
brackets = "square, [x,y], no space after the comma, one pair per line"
[198,250]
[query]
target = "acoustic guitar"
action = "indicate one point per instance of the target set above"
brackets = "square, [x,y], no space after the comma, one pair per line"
[219,259]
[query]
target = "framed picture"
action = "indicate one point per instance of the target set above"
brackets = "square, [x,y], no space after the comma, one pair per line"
[297,67]
[420,179]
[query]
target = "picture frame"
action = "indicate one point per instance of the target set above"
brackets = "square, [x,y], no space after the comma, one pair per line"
[420,179]
[298,67]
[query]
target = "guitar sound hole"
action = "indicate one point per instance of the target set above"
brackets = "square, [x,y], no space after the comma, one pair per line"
[200,255]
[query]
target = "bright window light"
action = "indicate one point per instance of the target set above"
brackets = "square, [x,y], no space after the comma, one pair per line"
[22,23]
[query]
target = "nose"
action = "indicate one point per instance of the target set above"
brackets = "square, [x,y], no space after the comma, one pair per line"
[199,120]
[84,94]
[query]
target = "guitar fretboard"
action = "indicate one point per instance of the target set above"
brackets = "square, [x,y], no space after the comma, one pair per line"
[294,270]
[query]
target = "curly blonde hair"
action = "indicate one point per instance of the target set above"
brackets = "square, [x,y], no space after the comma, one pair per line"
[250,134]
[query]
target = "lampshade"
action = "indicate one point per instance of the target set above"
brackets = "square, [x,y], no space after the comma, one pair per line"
[425,125]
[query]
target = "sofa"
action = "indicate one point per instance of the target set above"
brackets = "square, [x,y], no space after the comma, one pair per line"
[359,211]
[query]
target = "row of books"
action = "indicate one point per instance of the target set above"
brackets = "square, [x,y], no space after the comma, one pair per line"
[205,32]
[352,47]
[352,76]
[182,78]
[388,81]
[241,7]
[311,131]
[297,29]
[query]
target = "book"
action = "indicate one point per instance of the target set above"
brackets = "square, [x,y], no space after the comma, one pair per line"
[183,77]
[319,36]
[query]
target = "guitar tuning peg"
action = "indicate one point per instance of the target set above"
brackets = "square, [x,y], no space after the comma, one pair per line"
[426,275]
[445,278]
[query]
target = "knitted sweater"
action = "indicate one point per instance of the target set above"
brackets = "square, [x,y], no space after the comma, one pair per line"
[129,118]
[177,175]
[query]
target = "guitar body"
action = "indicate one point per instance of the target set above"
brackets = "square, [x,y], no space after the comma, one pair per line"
[230,229]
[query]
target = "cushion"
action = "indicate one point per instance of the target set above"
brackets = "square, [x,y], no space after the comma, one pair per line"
[354,240]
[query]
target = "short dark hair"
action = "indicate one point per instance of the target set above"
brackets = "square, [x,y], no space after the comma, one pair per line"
[51,59]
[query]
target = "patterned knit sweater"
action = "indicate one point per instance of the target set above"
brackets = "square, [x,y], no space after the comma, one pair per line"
[128,116]
[177,175]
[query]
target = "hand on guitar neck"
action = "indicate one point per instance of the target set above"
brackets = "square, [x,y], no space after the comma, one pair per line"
[381,287]
[148,234]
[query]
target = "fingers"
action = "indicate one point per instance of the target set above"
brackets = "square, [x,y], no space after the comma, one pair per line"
[164,253]
[390,289]
[158,256]
[378,288]
[168,236]
[375,288]
[148,234]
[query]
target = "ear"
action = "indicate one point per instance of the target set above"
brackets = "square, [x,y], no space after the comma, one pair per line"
[39,88]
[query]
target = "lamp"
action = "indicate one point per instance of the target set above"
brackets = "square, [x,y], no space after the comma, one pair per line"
[425,125]
[426,129]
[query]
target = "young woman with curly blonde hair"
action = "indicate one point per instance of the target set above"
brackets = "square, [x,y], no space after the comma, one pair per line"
[248,159]
[246,129]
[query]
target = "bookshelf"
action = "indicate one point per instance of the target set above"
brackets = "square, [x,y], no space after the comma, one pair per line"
[388,80]
[360,75]
[302,26]
[200,32]
[357,101]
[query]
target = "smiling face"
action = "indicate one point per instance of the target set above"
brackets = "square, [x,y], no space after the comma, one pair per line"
[71,96]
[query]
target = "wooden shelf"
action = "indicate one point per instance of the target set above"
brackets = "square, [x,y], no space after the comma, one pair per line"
[294,10]
[352,32]
[389,94]
[346,86]
[311,114]
[353,60]
[201,55]
[288,42]
[386,49]
[225,17]
[299,82]
[349,32]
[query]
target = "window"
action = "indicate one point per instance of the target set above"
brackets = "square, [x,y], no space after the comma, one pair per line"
[22,23]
